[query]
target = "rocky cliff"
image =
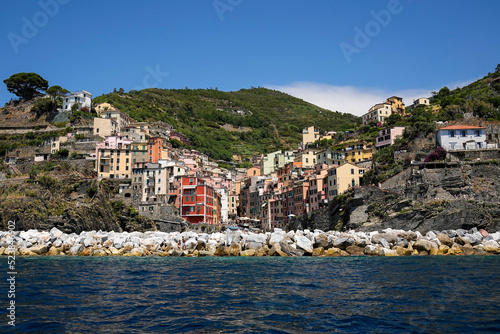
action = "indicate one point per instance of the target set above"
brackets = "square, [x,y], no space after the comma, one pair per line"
[68,200]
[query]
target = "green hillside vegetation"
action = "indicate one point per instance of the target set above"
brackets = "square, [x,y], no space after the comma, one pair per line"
[262,120]
[481,99]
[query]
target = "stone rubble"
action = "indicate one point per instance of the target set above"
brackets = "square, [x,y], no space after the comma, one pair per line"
[388,242]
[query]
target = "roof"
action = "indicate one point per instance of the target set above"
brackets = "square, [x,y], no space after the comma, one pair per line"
[462,127]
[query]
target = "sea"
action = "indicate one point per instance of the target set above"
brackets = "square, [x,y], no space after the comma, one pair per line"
[417,294]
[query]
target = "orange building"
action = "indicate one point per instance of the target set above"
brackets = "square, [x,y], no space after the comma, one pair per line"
[155,146]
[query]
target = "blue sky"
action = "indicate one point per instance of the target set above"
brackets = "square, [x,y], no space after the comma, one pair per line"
[341,55]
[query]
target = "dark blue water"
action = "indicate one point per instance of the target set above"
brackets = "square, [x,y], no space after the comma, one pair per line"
[256,295]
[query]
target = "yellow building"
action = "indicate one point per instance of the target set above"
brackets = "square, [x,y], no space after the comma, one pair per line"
[397,105]
[139,151]
[357,151]
[309,135]
[342,178]
[114,158]
[102,107]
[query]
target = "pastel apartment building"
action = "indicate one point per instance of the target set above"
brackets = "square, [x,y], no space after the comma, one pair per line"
[309,135]
[330,157]
[378,113]
[387,136]
[119,119]
[397,105]
[421,101]
[357,152]
[343,178]
[113,158]
[151,182]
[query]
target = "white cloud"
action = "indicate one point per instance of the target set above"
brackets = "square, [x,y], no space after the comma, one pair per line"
[350,99]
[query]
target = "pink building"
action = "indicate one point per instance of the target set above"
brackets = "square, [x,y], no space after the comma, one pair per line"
[387,136]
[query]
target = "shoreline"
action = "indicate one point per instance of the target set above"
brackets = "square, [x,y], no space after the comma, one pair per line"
[242,243]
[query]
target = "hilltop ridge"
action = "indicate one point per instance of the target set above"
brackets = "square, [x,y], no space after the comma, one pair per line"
[261,120]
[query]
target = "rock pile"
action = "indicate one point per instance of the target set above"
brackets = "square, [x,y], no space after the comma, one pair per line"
[241,243]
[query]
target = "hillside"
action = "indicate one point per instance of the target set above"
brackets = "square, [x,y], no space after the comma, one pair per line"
[475,104]
[260,120]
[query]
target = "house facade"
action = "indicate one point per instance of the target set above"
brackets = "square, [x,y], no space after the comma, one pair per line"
[309,135]
[82,99]
[461,137]
[343,178]
[378,113]
[113,158]
[397,105]
[387,136]
[197,201]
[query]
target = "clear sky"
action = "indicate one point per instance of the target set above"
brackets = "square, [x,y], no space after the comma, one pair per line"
[341,55]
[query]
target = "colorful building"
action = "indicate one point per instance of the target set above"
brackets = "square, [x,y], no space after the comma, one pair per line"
[197,201]
[113,158]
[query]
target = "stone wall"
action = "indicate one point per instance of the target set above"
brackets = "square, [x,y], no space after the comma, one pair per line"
[471,155]
[80,147]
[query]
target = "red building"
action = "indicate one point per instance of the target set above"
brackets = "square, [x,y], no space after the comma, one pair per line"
[197,201]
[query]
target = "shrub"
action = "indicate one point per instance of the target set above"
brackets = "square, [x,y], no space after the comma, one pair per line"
[92,190]
[438,155]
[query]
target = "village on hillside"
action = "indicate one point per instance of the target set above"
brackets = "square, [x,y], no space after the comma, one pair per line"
[154,176]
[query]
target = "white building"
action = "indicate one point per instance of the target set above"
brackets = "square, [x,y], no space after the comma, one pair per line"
[150,180]
[421,101]
[224,204]
[330,157]
[461,137]
[378,112]
[82,99]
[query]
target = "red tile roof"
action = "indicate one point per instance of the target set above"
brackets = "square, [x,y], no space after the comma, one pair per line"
[461,127]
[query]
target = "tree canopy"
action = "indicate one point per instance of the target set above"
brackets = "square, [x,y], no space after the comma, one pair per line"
[26,85]
[54,92]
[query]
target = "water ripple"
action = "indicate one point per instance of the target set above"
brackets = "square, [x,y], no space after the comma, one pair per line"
[257,295]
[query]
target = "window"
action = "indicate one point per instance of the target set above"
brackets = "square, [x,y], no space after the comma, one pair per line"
[478,133]
[352,171]
[463,133]
[452,133]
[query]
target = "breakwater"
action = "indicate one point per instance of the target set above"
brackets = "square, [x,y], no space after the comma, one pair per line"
[388,242]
